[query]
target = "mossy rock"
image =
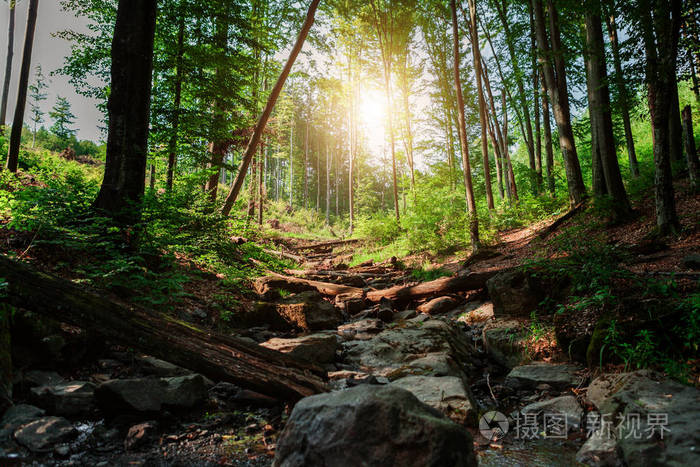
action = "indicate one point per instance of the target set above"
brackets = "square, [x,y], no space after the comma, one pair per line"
[600,332]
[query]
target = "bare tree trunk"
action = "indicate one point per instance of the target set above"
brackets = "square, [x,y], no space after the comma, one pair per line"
[494,128]
[328,185]
[506,151]
[291,164]
[536,93]
[549,160]
[172,144]
[622,89]
[129,111]
[557,88]
[471,203]
[262,121]
[261,181]
[675,129]
[18,120]
[251,187]
[8,66]
[306,166]
[690,149]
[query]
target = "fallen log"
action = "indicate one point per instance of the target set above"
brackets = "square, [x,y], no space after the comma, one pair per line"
[557,223]
[332,243]
[324,288]
[218,357]
[282,254]
[442,286]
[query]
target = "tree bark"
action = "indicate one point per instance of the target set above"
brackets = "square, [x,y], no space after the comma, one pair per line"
[557,88]
[129,109]
[262,121]
[466,166]
[536,95]
[172,144]
[549,159]
[622,89]
[675,129]
[219,357]
[18,119]
[8,65]
[690,149]
[506,151]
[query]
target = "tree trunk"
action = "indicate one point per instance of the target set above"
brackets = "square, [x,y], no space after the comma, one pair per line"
[549,160]
[8,66]
[262,121]
[675,129]
[261,181]
[601,111]
[466,166]
[622,89]
[328,185]
[18,119]
[557,88]
[476,53]
[690,149]
[506,151]
[306,166]
[129,109]
[172,144]
[536,95]
[291,164]
[251,188]
[219,357]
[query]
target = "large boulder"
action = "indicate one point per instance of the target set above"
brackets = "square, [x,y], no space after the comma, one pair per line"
[657,421]
[565,406]
[505,341]
[41,435]
[371,425]
[413,349]
[315,348]
[448,394]
[514,293]
[68,398]
[309,311]
[151,394]
[438,305]
[560,376]
[16,416]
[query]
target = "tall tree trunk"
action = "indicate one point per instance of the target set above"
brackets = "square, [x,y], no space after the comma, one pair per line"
[466,166]
[494,127]
[251,187]
[264,117]
[291,164]
[172,144]
[328,185]
[261,181]
[536,95]
[549,149]
[306,165]
[8,66]
[506,151]
[622,89]
[476,53]
[599,187]
[18,120]
[602,113]
[557,88]
[675,129]
[690,149]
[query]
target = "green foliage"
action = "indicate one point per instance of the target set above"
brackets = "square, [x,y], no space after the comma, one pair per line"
[380,227]
[63,119]
[428,273]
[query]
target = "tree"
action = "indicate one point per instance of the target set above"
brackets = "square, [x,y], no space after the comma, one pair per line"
[8,64]
[63,118]
[466,166]
[129,111]
[18,120]
[37,96]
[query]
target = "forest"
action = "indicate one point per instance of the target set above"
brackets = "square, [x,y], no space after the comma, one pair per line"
[379,232]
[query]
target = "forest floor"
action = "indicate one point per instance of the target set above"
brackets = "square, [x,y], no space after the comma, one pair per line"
[232,425]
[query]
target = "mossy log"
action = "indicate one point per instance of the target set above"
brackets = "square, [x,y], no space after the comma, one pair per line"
[219,357]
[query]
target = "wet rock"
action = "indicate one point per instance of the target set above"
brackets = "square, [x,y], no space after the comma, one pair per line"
[151,394]
[309,311]
[504,341]
[600,450]
[438,306]
[372,426]
[668,414]
[567,406]
[448,394]
[41,435]
[16,416]
[69,398]
[692,261]
[514,293]
[560,376]
[361,330]
[393,350]
[315,348]
[349,303]
[140,435]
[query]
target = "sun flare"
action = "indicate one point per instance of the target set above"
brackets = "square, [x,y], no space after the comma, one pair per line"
[372,117]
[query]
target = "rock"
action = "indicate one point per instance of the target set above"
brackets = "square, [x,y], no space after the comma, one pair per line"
[567,406]
[392,353]
[268,287]
[447,394]
[560,376]
[151,394]
[229,396]
[349,303]
[41,435]
[513,293]
[505,342]
[16,416]
[155,366]
[42,378]
[600,450]
[69,398]
[438,306]
[309,312]
[406,314]
[692,261]
[140,435]
[668,415]
[371,426]
[314,348]
[361,330]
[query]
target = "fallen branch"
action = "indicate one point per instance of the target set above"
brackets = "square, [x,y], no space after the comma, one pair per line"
[324,288]
[331,243]
[557,223]
[219,357]
[282,254]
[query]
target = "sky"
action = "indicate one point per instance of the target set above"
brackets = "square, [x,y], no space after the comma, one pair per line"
[50,52]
